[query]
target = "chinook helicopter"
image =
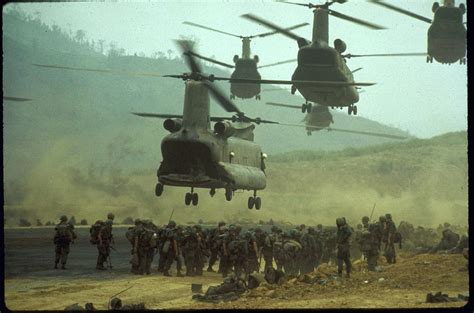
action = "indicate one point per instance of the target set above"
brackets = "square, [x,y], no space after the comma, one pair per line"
[321,118]
[322,75]
[15,99]
[446,34]
[245,66]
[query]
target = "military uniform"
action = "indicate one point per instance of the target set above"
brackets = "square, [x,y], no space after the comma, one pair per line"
[169,249]
[267,248]
[343,246]
[146,236]
[369,243]
[213,244]
[308,252]
[390,230]
[291,250]
[103,246]
[64,235]
[132,235]
[237,248]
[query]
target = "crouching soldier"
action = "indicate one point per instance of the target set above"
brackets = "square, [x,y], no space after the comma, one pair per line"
[62,239]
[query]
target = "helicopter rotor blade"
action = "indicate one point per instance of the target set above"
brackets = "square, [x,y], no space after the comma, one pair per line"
[284,105]
[299,82]
[16,99]
[211,29]
[157,115]
[367,133]
[211,60]
[348,56]
[301,41]
[356,70]
[275,32]
[355,20]
[400,10]
[186,48]
[153,74]
[224,102]
[277,63]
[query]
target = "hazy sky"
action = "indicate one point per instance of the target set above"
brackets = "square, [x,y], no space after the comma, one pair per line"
[425,99]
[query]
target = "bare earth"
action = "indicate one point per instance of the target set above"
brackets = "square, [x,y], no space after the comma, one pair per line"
[32,284]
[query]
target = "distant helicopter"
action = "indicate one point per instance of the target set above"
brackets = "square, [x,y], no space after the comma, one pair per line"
[322,75]
[245,66]
[446,34]
[16,99]
[321,118]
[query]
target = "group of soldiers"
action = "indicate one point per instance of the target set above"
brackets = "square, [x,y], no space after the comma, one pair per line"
[294,251]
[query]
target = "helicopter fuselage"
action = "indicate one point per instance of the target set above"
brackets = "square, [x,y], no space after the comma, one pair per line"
[245,68]
[319,117]
[447,35]
[316,63]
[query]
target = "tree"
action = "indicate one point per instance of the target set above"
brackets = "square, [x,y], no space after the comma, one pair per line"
[83,221]
[80,35]
[38,222]
[24,222]
[101,45]
[72,220]
[170,53]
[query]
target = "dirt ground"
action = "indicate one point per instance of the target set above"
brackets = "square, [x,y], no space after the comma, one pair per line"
[32,284]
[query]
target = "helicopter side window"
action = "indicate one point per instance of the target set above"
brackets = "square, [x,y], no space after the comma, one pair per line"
[316,57]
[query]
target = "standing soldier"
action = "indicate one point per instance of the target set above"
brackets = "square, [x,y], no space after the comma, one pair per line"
[308,251]
[170,247]
[291,251]
[63,237]
[267,248]
[260,236]
[213,243]
[343,246]
[253,252]
[189,247]
[390,230]
[369,243]
[146,246]
[103,245]
[224,262]
[132,236]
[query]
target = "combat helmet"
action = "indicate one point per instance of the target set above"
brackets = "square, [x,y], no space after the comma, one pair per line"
[340,221]
[365,219]
[221,223]
[115,304]
[111,216]
[311,230]
[388,216]
[63,218]
[138,221]
[171,224]
[274,229]
[382,219]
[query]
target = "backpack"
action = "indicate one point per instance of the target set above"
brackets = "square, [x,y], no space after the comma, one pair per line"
[63,233]
[147,239]
[94,231]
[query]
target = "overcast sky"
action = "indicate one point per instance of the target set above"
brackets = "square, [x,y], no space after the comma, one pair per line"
[425,99]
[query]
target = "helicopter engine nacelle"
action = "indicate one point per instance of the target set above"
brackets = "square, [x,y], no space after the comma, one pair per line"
[340,45]
[256,58]
[173,124]
[435,7]
[224,129]
[236,58]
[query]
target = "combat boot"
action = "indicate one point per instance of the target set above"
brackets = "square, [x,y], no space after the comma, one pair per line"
[63,266]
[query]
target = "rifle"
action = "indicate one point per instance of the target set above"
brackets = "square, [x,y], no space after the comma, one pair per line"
[171,216]
[110,299]
[370,218]
[112,247]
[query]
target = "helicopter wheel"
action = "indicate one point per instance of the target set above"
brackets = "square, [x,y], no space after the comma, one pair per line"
[251,202]
[212,192]
[159,189]
[309,133]
[232,97]
[257,97]
[188,198]
[303,108]
[309,107]
[228,194]
[354,110]
[195,199]
[349,110]
[258,203]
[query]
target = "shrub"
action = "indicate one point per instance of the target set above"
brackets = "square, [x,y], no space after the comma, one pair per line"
[24,222]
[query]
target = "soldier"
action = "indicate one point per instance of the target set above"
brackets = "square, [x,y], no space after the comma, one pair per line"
[448,241]
[224,262]
[103,245]
[252,264]
[64,235]
[146,244]
[390,230]
[343,246]
[267,248]
[237,249]
[132,236]
[369,243]
[260,236]
[356,252]
[308,252]
[292,251]
[169,249]
[278,251]
[213,244]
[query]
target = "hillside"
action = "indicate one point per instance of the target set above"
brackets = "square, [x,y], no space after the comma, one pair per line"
[76,145]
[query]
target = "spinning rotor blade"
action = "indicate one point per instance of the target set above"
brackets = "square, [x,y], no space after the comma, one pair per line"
[354,20]
[186,48]
[211,29]
[348,131]
[157,115]
[99,70]
[348,56]
[275,32]
[225,103]
[270,25]
[356,70]
[16,99]
[211,60]
[284,105]
[400,10]
[277,63]
[299,82]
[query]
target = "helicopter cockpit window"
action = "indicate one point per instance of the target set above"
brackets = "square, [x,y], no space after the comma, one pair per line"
[451,15]
[317,57]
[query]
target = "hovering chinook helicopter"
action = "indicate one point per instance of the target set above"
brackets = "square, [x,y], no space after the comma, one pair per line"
[446,34]
[321,118]
[15,99]
[245,66]
[322,75]
[196,156]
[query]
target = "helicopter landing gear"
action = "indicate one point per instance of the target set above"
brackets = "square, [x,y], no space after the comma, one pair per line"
[352,109]
[257,97]
[159,189]
[212,192]
[254,201]
[293,89]
[309,133]
[462,61]
[429,59]
[306,107]
[228,194]
[232,97]
[191,197]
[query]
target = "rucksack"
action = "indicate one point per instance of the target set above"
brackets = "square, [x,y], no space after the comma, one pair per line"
[94,231]
[63,232]
[147,239]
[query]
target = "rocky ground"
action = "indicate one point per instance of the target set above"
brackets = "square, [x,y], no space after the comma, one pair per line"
[32,284]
